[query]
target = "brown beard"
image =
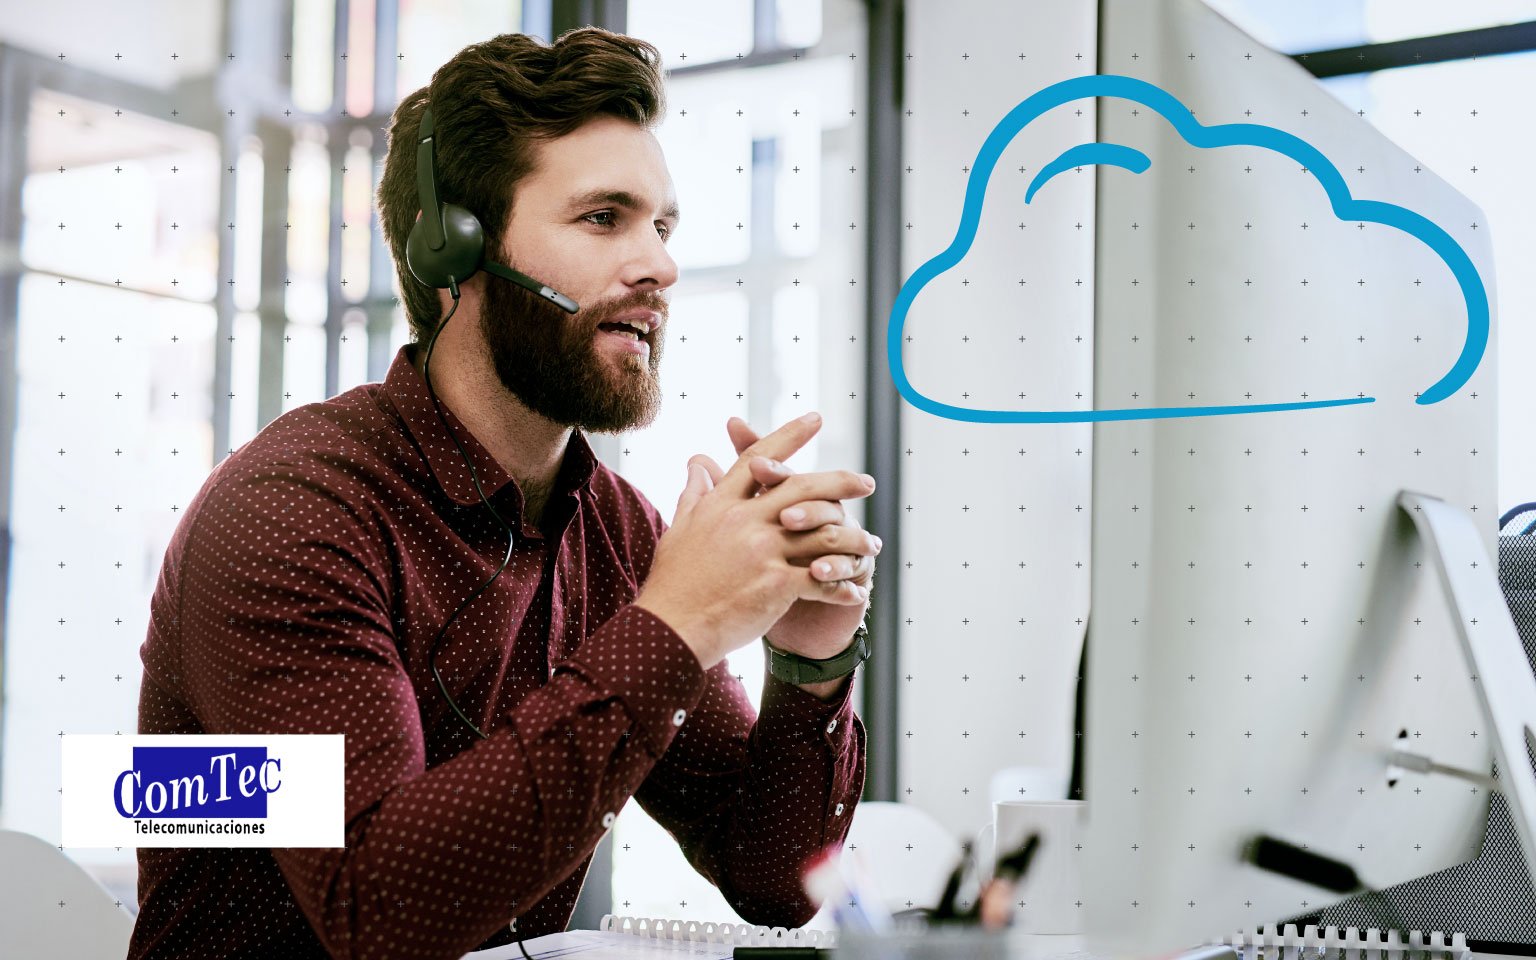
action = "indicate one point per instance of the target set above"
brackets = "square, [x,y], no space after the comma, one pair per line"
[553,363]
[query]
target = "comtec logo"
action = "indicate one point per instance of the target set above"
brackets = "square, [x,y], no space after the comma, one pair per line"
[197,782]
[203,790]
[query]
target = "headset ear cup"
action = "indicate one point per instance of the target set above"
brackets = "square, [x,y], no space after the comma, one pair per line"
[462,253]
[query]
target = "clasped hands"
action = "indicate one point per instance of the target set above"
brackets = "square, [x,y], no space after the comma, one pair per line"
[828,541]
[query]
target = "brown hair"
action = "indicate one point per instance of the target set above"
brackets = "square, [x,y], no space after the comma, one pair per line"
[490,104]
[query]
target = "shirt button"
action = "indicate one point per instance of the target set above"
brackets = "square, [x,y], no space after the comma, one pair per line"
[831,726]
[839,811]
[608,819]
[679,717]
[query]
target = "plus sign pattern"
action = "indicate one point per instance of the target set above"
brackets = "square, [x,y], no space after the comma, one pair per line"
[113,414]
[1491,897]
[1256,643]
[996,571]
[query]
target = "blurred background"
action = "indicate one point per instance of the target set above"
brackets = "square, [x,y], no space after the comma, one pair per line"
[188,249]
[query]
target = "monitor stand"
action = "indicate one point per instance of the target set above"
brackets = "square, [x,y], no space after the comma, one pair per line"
[1500,670]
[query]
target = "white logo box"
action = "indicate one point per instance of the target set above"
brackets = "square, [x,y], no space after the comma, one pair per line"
[307,808]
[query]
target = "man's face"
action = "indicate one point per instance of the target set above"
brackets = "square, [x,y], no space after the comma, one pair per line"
[590,222]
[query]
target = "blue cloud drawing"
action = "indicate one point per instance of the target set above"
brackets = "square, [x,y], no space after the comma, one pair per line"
[1345,207]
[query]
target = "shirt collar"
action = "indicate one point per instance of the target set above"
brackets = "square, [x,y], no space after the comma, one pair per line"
[406,389]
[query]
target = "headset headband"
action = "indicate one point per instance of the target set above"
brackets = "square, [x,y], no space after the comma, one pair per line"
[426,183]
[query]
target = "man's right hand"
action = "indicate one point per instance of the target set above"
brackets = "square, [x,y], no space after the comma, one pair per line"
[721,576]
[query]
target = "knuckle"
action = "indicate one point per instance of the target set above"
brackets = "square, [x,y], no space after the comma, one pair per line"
[788,579]
[760,541]
[765,447]
[734,516]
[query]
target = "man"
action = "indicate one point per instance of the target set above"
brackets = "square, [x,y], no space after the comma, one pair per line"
[306,583]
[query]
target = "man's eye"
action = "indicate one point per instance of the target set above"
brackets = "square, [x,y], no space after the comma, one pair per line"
[661,228]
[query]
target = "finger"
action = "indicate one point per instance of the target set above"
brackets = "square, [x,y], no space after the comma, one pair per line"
[863,574]
[831,540]
[711,468]
[810,514]
[769,473]
[695,488]
[823,485]
[860,573]
[840,592]
[778,445]
[861,570]
[741,434]
[838,567]
[841,566]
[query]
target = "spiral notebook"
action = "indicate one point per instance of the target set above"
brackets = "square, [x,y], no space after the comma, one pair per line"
[1351,943]
[645,938]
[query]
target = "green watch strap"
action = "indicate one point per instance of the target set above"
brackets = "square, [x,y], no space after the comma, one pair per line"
[793,668]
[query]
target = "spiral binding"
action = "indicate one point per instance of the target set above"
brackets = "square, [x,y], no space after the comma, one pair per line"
[734,934]
[1269,944]
[1266,943]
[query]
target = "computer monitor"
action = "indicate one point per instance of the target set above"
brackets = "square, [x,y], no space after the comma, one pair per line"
[1261,641]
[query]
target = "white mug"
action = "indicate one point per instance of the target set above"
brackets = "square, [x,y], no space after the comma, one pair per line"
[1051,890]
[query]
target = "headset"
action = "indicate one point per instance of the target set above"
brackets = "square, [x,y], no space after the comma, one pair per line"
[446,246]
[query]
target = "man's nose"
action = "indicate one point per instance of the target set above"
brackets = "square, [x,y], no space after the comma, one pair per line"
[654,263]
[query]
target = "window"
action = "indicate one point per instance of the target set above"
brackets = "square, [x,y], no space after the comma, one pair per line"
[767,316]
[1432,110]
[1454,116]
[114,418]
[1487,162]
[1305,25]
[137,212]
[222,264]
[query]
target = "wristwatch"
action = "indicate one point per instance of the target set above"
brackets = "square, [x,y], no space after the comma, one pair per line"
[793,668]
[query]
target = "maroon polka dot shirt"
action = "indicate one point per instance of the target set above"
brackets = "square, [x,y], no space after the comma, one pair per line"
[299,595]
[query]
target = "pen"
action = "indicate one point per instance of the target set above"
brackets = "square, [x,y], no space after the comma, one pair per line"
[946,908]
[1016,864]
[864,891]
[827,882]
[992,903]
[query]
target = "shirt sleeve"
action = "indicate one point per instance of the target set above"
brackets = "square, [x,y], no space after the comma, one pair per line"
[286,628]
[752,798]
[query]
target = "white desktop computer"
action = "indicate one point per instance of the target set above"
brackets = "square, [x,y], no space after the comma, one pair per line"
[1270,625]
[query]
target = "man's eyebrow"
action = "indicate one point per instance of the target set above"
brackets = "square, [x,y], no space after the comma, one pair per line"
[622,198]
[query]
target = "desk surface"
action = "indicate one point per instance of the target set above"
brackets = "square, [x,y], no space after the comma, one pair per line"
[595,945]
